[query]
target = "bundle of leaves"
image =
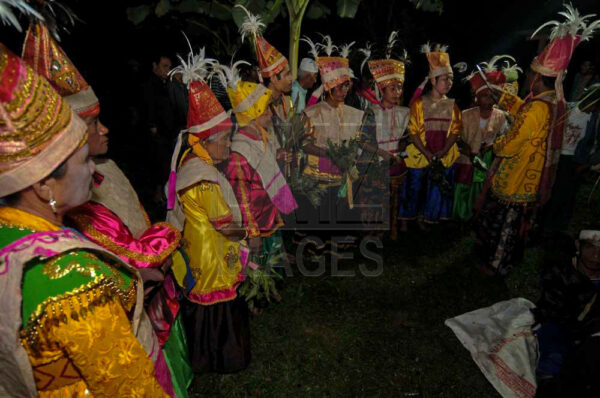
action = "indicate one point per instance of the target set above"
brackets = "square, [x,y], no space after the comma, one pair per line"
[437,176]
[293,132]
[260,284]
[301,184]
[344,156]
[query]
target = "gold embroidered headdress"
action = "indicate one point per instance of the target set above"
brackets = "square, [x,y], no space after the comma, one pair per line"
[38,130]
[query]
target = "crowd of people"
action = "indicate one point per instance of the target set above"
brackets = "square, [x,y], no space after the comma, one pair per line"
[96,299]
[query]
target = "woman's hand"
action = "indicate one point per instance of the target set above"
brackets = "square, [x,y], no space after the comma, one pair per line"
[284,155]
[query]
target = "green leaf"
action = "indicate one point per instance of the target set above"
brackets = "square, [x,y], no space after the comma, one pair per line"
[163,7]
[220,11]
[192,6]
[347,8]
[137,15]
[317,10]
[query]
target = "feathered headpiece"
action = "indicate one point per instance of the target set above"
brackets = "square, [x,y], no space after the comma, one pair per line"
[366,52]
[438,58]
[8,17]
[43,53]
[249,100]
[493,77]
[206,116]
[195,68]
[334,70]
[388,71]
[270,61]
[564,37]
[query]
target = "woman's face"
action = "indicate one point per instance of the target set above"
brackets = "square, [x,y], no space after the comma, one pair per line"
[266,119]
[339,92]
[442,84]
[97,135]
[392,93]
[218,148]
[74,188]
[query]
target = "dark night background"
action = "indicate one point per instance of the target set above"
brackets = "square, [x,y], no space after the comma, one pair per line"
[114,55]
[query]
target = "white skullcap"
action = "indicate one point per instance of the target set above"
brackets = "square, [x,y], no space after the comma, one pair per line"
[589,234]
[308,65]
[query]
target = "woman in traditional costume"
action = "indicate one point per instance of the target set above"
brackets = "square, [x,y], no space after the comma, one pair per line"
[73,321]
[203,205]
[481,125]
[332,120]
[257,181]
[434,127]
[384,128]
[114,218]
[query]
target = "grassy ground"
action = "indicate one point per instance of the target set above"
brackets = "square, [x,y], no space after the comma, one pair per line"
[381,336]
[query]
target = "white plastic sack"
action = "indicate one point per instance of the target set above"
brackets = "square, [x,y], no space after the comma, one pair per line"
[502,344]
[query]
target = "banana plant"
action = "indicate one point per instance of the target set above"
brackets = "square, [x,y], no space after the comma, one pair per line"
[269,10]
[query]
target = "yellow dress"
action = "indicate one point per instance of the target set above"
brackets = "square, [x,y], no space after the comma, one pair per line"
[75,326]
[428,116]
[523,148]
[214,260]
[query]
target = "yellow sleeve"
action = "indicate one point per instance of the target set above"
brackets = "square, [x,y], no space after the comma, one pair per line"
[529,122]
[456,124]
[208,198]
[108,356]
[510,103]
[416,122]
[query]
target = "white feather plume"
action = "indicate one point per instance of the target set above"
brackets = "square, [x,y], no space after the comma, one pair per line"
[252,25]
[490,66]
[229,76]
[195,67]
[574,24]
[327,45]
[442,48]
[345,49]
[8,17]
[405,58]
[391,43]
[314,47]
[367,53]
[426,48]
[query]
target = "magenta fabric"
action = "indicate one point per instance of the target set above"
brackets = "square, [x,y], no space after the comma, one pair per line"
[103,227]
[327,166]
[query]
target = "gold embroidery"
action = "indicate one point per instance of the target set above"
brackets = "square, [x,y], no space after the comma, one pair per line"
[231,258]
[51,311]
[54,270]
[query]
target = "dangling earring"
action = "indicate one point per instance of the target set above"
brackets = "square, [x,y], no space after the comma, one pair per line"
[52,203]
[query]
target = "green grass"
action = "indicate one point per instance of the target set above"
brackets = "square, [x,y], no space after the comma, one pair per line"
[382,336]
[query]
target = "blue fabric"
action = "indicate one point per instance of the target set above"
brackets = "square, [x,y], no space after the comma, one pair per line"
[421,197]
[554,346]
[297,90]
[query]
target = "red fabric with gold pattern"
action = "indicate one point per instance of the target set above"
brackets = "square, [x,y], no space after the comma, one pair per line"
[206,115]
[38,130]
[496,78]
[48,59]
[270,61]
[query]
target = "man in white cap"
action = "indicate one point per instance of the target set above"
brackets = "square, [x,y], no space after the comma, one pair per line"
[307,76]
